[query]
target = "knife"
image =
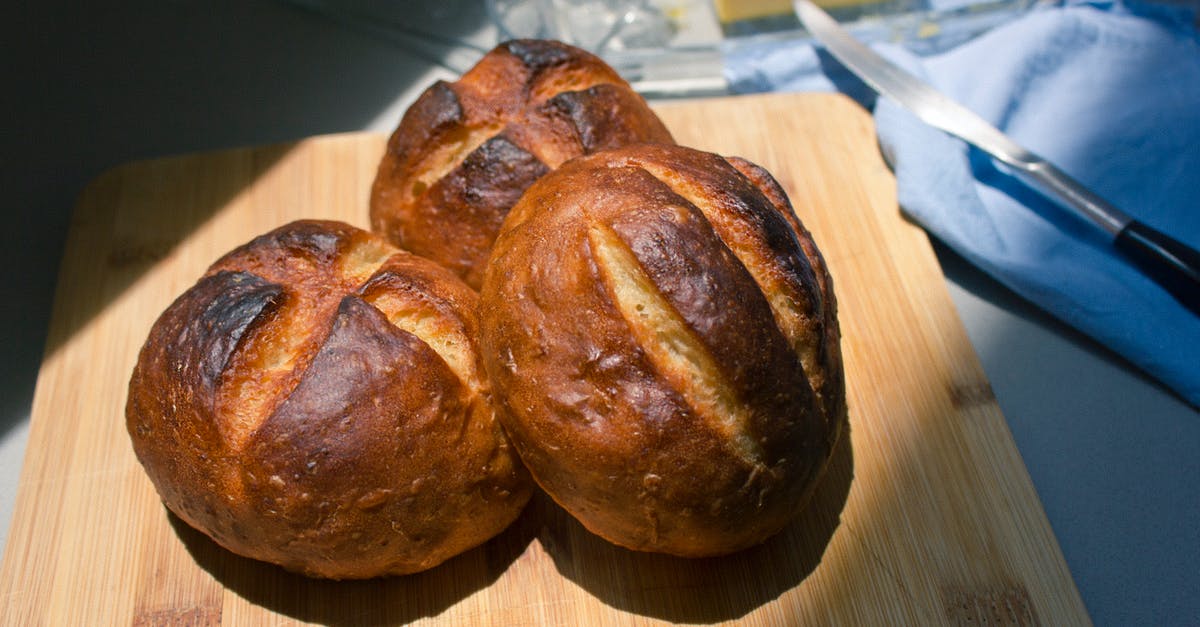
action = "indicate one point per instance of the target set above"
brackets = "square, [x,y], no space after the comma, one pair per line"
[1172,264]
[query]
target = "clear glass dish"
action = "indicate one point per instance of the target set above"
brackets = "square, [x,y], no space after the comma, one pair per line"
[672,48]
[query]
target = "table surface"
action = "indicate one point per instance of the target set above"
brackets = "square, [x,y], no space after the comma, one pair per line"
[1111,453]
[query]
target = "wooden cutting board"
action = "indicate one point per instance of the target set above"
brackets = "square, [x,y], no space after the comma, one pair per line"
[927,516]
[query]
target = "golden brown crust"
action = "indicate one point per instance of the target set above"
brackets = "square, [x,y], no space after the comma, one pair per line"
[465,151]
[657,329]
[316,400]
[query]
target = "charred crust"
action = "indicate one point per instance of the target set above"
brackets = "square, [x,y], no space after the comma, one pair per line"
[436,110]
[496,173]
[229,303]
[319,241]
[608,116]
[765,182]
[483,189]
[540,54]
[498,169]
[311,241]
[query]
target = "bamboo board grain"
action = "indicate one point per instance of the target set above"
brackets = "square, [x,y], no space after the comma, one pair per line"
[927,516]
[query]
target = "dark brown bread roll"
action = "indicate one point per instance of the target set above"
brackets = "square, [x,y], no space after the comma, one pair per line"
[316,400]
[663,335]
[464,152]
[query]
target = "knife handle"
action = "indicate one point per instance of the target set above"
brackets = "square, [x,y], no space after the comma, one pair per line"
[1171,263]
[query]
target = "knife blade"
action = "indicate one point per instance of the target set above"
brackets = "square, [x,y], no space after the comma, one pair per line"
[1172,264]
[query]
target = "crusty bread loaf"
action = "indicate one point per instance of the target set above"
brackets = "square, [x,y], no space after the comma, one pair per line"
[316,400]
[465,151]
[662,333]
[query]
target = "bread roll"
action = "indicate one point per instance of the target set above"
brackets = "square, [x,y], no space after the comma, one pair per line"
[464,152]
[663,333]
[316,400]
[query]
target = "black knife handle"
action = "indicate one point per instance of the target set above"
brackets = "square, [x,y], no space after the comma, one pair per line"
[1171,263]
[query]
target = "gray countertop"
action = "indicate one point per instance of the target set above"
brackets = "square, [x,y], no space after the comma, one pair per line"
[1112,454]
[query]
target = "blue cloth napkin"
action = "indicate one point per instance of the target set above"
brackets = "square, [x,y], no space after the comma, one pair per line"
[1108,91]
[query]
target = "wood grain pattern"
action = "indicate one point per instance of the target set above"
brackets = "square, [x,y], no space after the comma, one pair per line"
[927,516]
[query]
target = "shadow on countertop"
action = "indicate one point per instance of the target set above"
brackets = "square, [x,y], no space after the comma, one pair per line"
[99,85]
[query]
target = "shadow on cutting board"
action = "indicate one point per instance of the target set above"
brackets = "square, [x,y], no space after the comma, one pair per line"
[659,586]
[704,590]
[385,601]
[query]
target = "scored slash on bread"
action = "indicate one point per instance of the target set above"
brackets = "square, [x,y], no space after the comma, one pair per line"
[667,340]
[317,401]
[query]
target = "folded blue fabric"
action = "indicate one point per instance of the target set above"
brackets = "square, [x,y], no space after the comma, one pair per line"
[1108,91]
